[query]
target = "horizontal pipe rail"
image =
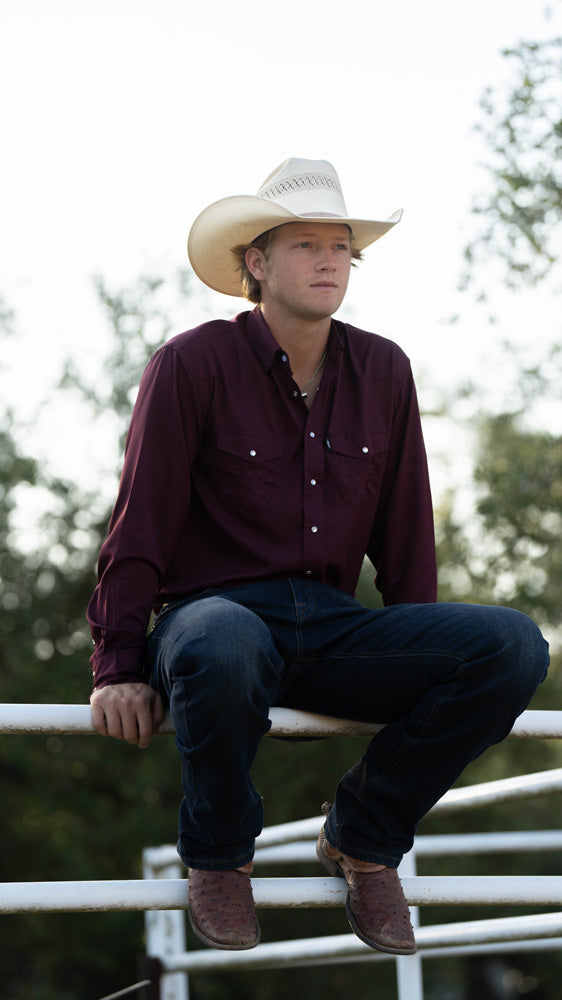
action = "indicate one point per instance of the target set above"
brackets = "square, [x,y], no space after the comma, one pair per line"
[453,844]
[524,786]
[171,894]
[456,799]
[279,960]
[68,720]
[437,940]
[434,845]
[442,845]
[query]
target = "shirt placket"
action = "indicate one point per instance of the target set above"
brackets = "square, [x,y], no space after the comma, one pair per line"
[313,496]
[314,457]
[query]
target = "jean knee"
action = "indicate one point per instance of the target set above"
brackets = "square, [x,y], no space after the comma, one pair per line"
[525,658]
[533,652]
[223,643]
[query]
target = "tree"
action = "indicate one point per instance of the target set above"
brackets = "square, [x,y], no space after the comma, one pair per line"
[515,553]
[66,813]
[510,551]
[522,130]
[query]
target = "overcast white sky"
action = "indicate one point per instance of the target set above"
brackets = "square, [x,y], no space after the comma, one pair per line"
[121,119]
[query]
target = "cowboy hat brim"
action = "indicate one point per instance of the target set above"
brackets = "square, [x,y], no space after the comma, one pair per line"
[239,220]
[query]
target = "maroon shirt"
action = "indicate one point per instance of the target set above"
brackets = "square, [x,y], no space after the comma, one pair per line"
[228,478]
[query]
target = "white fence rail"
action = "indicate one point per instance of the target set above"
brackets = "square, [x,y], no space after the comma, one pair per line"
[435,845]
[437,940]
[76,720]
[171,894]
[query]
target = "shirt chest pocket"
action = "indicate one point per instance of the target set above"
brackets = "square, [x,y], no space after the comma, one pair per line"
[355,466]
[248,470]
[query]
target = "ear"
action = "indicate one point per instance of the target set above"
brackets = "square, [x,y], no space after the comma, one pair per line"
[255,262]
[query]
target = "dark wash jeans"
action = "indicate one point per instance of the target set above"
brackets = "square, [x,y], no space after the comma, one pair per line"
[449,679]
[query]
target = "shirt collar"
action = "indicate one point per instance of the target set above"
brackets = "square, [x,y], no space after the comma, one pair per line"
[262,339]
[265,344]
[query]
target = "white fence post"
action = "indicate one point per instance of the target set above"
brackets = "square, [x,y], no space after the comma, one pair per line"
[409,975]
[165,932]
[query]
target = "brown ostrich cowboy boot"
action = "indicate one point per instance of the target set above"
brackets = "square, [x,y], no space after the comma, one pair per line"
[221,908]
[376,907]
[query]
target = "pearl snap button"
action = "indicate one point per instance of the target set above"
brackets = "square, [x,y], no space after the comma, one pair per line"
[314,528]
[365,450]
[253,453]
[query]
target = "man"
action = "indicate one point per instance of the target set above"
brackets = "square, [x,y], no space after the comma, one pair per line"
[266,456]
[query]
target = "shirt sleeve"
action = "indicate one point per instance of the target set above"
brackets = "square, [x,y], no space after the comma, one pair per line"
[402,541]
[152,503]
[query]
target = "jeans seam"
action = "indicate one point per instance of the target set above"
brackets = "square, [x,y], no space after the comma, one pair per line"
[395,653]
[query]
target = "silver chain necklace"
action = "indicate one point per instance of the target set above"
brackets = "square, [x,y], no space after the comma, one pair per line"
[304,392]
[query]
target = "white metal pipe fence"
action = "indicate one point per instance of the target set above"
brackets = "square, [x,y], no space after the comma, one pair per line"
[291,841]
[278,844]
[434,845]
[171,894]
[304,851]
[74,720]
[468,797]
[436,940]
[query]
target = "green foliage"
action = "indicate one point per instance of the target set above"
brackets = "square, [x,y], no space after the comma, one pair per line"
[140,320]
[522,209]
[71,808]
[511,551]
[521,473]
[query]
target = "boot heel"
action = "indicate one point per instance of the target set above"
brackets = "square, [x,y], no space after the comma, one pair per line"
[331,866]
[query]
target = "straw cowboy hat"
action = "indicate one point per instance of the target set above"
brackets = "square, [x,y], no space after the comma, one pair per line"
[295,191]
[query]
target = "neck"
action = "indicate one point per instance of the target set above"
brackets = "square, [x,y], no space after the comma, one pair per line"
[304,340]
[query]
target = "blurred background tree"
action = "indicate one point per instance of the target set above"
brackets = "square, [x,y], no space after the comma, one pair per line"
[509,550]
[522,129]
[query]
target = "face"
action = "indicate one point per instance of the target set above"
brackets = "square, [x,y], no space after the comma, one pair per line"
[306,271]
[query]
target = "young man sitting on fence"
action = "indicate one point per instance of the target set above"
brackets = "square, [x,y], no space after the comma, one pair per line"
[266,456]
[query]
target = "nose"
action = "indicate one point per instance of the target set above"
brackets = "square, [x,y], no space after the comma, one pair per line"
[327,260]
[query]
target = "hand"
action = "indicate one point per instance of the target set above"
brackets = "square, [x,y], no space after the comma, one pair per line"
[130,712]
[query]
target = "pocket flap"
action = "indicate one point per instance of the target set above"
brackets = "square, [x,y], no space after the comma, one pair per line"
[358,445]
[249,447]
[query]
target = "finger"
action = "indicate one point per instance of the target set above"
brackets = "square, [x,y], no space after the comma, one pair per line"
[114,723]
[128,725]
[98,719]
[143,726]
[158,711]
